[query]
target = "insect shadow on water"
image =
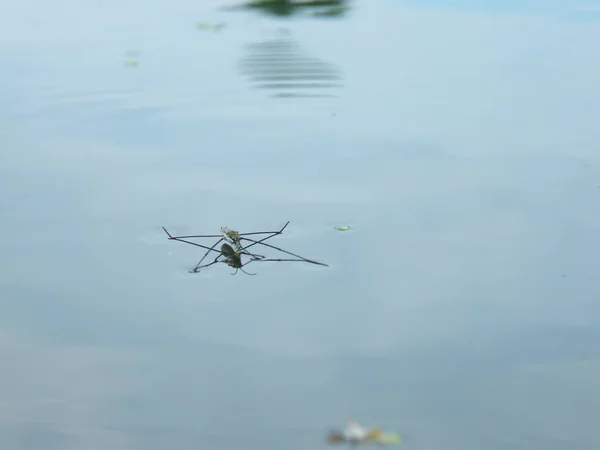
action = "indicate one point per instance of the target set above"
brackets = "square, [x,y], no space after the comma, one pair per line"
[232,249]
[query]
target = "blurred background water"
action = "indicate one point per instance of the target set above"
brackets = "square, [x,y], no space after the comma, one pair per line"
[460,140]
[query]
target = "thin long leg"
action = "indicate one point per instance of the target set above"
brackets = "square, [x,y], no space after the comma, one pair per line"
[246,263]
[182,239]
[241,249]
[284,251]
[267,232]
[247,273]
[208,251]
[173,238]
[275,233]
[240,234]
[197,268]
[291,260]
[198,236]
[254,242]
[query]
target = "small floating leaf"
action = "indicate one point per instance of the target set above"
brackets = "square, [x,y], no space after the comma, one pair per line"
[210,26]
[342,228]
[131,63]
[390,438]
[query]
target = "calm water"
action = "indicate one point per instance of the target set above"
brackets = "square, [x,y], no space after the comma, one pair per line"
[460,142]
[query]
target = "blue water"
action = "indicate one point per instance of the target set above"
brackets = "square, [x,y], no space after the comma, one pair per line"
[459,141]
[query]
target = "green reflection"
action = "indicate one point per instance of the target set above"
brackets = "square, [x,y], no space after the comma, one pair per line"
[286,8]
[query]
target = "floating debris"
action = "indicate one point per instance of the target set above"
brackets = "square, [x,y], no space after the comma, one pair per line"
[390,438]
[355,434]
[205,26]
[342,228]
[131,59]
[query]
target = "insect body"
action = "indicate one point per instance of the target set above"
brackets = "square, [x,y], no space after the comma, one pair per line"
[231,236]
[233,258]
[232,249]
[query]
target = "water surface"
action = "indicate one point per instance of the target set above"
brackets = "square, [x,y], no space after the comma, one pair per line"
[459,142]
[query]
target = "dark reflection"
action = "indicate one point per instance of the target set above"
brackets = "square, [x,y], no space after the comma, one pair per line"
[315,8]
[277,64]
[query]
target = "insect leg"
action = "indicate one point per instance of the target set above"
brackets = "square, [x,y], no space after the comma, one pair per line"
[247,273]
[272,234]
[240,249]
[256,242]
[173,238]
[207,251]
[290,260]
[192,236]
[266,232]
[198,267]
[285,251]
[254,256]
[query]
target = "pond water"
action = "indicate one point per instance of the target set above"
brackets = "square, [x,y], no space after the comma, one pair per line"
[460,143]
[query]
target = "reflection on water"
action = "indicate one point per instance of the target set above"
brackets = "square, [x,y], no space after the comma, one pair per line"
[278,65]
[315,8]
